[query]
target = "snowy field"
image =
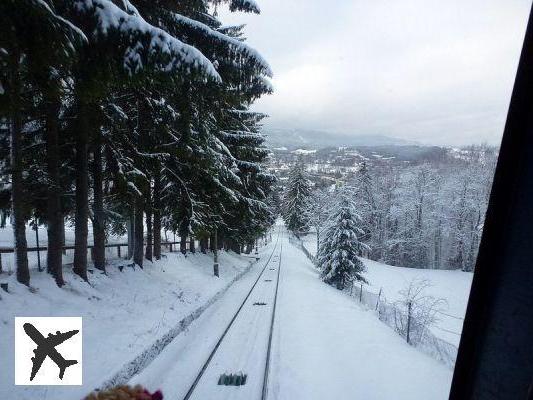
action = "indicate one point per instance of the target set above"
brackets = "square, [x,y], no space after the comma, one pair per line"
[6,236]
[6,240]
[453,286]
[325,346]
[123,313]
[328,347]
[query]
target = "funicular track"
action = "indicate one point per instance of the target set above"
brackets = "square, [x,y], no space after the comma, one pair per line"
[273,263]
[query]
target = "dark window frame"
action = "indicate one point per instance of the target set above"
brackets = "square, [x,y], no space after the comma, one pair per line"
[495,358]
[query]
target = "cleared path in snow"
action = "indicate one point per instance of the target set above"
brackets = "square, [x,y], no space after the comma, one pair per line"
[327,347]
[242,349]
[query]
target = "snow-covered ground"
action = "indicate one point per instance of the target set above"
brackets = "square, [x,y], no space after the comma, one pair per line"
[242,350]
[6,236]
[6,240]
[325,346]
[123,313]
[453,286]
[328,347]
[310,243]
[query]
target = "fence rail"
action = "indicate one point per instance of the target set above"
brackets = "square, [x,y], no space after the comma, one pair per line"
[118,246]
[414,332]
[71,247]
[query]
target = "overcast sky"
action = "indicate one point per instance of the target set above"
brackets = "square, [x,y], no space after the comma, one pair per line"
[434,71]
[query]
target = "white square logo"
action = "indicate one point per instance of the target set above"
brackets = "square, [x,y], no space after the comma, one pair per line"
[48,351]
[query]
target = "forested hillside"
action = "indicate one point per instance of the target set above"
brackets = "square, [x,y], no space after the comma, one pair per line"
[426,214]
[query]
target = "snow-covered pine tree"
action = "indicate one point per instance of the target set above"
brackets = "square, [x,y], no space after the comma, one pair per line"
[139,51]
[252,215]
[338,256]
[318,211]
[30,81]
[365,198]
[204,171]
[152,95]
[364,183]
[275,200]
[296,200]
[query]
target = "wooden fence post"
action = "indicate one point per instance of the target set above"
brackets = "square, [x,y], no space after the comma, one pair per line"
[379,296]
[409,305]
[37,241]
[118,251]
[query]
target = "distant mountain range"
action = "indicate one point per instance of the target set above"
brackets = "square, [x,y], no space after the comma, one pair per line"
[310,139]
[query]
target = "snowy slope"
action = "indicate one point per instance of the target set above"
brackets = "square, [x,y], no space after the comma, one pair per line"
[325,346]
[6,240]
[242,349]
[124,313]
[453,286]
[6,236]
[328,347]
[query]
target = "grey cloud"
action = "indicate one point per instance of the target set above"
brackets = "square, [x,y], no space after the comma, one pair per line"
[428,70]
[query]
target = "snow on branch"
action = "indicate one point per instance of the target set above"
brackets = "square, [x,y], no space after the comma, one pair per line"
[235,45]
[249,6]
[111,18]
[51,13]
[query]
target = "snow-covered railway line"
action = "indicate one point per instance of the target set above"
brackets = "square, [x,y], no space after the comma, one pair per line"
[238,365]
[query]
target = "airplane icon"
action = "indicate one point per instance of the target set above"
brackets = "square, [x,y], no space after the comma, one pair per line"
[46,348]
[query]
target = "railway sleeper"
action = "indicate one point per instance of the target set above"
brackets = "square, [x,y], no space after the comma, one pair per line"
[238,379]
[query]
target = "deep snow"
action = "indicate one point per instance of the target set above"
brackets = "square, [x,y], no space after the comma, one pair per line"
[452,286]
[242,350]
[123,313]
[325,346]
[6,240]
[328,347]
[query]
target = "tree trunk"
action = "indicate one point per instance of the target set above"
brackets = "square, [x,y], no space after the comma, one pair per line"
[317,238]
[130,226]
[204,244]
[54,215]
[157,215]
[17,185]
[138,246]
[249,247]
[215,254]
[191,244]
[234,246]
[220,239]
[470,262]
[183,243]
[82,193]
[212,243]
[98,207]
[149,231]
[62,222]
